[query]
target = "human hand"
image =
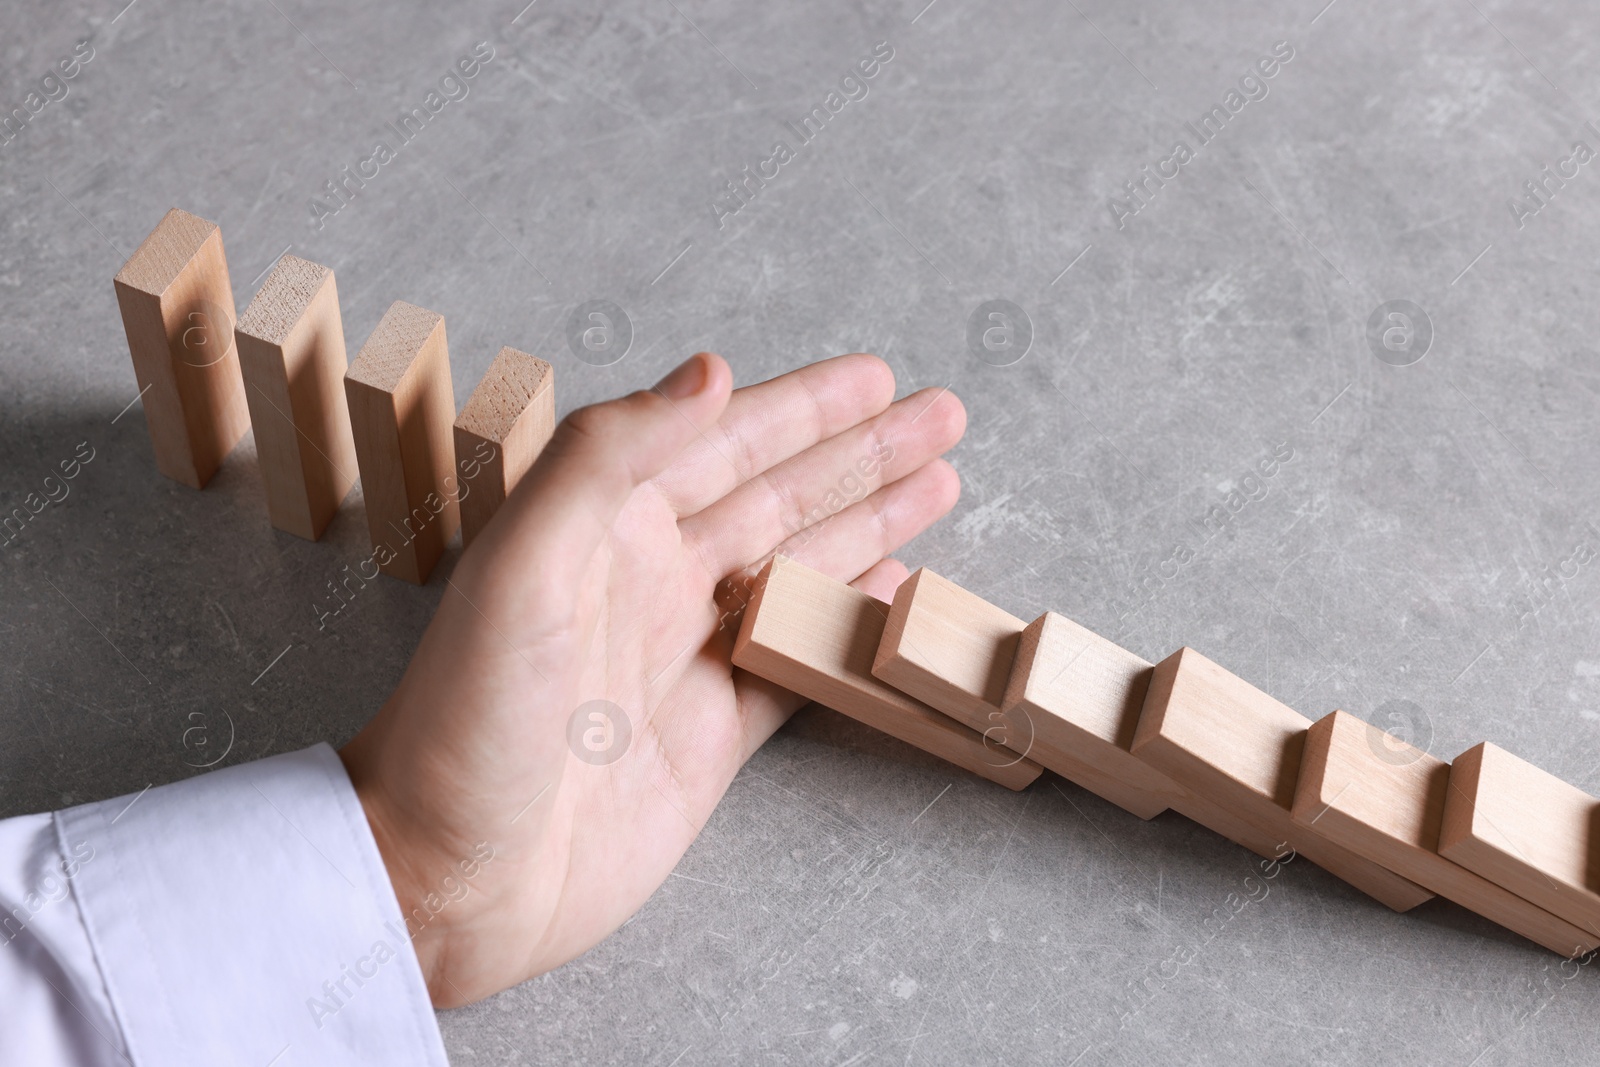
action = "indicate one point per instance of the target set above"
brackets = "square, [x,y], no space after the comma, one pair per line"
[598,580]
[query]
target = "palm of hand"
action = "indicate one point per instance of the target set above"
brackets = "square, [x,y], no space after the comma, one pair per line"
[598,582]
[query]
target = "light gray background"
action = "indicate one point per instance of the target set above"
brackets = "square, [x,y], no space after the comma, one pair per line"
[852,901]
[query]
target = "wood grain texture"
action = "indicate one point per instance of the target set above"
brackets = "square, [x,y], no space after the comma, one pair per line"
[506,424]
[401,410]
[1525,830]
[177,311]
[817,637]
[1384,799]
[1233,745]
[1078,697]
[292,355]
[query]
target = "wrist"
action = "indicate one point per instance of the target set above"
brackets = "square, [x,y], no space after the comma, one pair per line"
[398,861]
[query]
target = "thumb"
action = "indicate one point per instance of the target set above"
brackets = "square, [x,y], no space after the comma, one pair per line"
[600,454]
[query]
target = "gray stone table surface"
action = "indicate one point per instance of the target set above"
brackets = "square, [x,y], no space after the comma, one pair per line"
[1422,555]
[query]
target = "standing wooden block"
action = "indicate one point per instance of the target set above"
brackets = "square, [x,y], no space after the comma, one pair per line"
[401,409]
[1385,800]
[1526,830]
[291,351]
[177,310]
[1233,745]
[817,637]
[503,428]
[1080,696]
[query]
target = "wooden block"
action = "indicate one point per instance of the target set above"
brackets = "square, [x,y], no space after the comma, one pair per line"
[1526,830]
[291,351]
[1233,745]
[1078,697]
[951,649]
[401,410]
[177,310]
[1385,800]
[817,637]
[501,431]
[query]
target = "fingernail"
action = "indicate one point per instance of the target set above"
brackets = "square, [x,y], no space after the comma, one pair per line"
[687,380]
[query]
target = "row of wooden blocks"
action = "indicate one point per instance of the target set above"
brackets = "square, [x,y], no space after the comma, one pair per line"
[958,677]
[280,369]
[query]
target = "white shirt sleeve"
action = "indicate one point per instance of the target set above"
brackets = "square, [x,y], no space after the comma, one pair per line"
[243,916]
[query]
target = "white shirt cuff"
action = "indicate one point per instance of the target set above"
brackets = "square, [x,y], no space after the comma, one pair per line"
[245,916]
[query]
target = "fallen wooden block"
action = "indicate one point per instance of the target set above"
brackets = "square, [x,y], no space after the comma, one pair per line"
[505,425]
[177,311]
[1238,748]
[291,351]
[1525,830]
[401,409]
[951,649]
[1385,800]
[1078,696]
[817,637]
